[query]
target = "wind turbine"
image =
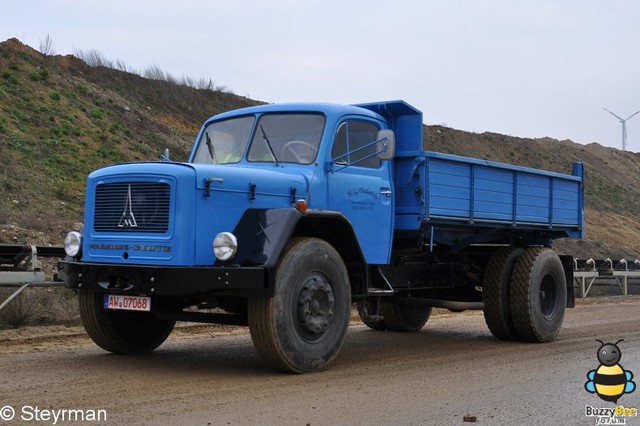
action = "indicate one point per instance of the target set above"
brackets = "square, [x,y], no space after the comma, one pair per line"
[624,126]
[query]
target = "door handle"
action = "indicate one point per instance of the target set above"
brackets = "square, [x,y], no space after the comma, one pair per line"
[386,191]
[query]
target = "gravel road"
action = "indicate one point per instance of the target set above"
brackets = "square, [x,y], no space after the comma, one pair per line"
[452,372]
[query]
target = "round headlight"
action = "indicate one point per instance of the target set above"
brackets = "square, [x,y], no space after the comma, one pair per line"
[225,246]
[73,244]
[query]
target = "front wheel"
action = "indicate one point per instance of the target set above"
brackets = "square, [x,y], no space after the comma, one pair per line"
[302,327]
[366,309]
[406,317]
[122,332]
[538,295]
[392,315]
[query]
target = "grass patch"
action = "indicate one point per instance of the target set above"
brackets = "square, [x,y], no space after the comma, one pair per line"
[10,77]
[39,306]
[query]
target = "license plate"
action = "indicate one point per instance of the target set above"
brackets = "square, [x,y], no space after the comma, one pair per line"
[127,303]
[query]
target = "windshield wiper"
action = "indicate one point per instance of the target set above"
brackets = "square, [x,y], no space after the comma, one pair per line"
[210,147]
[266,139]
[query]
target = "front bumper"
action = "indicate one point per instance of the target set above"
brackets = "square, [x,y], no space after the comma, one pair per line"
[165,280]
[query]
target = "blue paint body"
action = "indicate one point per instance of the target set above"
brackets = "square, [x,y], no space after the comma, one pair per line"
[443,199]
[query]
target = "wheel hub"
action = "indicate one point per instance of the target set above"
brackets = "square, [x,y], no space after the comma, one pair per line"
[316,303]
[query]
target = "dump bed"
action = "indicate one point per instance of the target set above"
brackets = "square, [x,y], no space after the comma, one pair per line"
[441,191]
[459,200]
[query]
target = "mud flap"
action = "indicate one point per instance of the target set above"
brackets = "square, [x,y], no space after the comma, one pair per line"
[567,265]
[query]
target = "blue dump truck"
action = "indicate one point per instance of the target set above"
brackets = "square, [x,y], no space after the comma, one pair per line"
[286,216]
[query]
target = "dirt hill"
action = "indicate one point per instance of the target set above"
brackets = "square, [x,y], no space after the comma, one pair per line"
[61,118]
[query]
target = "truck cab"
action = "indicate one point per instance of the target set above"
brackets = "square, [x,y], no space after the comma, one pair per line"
[325,156]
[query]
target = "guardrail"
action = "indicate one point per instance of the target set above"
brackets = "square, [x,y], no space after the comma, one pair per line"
[586,272]
[20,267]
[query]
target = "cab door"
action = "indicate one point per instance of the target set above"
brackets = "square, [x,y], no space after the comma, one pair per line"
[360,186]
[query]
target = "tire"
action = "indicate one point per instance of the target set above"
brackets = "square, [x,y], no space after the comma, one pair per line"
[404,317]
[538,295]
[121,332]
[302,327]
[373,322]
[495,292]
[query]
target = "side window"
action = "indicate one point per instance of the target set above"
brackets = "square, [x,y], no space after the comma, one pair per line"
[353,144]
[339,150]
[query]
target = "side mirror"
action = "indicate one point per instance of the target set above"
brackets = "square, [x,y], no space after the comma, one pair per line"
[386,144]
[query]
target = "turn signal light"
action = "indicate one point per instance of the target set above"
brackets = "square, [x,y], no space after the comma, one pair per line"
[301,206]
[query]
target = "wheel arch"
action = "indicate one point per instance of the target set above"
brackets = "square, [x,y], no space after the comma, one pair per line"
[334,228]
[263,235]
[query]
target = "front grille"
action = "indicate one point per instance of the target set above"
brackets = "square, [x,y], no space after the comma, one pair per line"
[132,207]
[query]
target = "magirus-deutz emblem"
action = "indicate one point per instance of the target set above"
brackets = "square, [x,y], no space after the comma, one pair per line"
[128,220]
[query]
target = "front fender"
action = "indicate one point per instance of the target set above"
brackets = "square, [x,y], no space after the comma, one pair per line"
[263,234]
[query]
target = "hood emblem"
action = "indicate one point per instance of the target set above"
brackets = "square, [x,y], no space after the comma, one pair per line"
[128,220]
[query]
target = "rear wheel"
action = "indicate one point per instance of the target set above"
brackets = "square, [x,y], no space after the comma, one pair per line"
[538,295]
[302,327]
[495,292]
[123,332]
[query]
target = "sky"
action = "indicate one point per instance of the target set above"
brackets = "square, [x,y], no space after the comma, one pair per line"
[529,68]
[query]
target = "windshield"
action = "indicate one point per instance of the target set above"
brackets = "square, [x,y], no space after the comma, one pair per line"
[277,138]
[224,142]
[287,138]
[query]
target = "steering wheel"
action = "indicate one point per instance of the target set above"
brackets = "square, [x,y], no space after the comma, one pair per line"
[288,148]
